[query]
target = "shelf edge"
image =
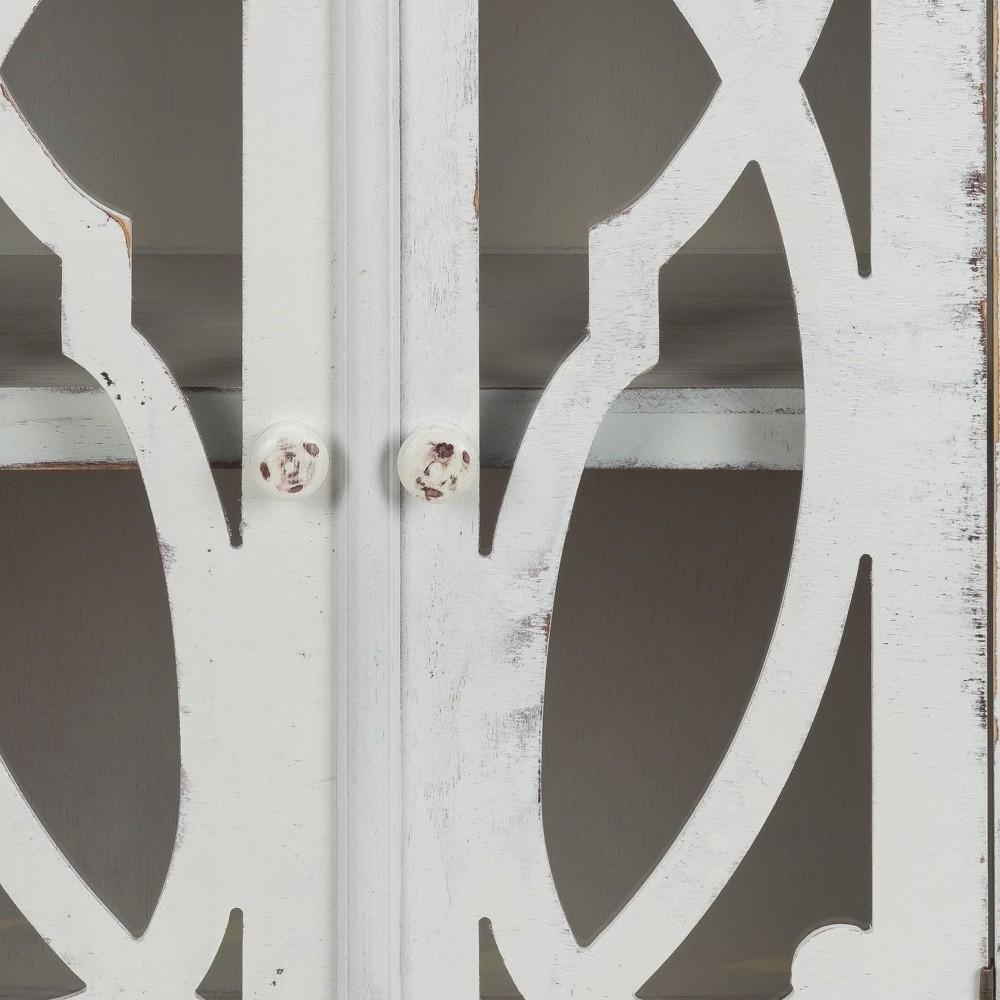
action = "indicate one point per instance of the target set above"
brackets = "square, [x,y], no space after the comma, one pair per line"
[79,428]
[730,428]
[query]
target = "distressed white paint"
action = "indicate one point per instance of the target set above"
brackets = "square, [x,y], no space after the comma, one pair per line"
[666,428]
[442,899]
[993,254]
[894,468]
[252,647]
[95,249]
[47,427]
[367,388]
[441,825]
[292,231]
[645,428]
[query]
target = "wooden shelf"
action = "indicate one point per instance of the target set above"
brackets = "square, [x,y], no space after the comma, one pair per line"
[187,305]
[727,320]
[727,392]
[666,428]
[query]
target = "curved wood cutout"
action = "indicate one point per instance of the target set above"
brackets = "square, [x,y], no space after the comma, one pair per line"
[94,244]
[759,113]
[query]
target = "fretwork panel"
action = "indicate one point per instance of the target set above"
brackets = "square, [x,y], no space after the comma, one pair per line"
[894,471]
[253,855]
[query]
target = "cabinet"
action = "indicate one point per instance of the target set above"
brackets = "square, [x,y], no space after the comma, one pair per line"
[689,693]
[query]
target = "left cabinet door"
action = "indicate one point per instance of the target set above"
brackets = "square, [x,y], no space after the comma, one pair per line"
[170,263]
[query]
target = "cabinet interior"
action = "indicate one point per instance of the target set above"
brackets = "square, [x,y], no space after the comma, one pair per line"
[140,101]
[581,107]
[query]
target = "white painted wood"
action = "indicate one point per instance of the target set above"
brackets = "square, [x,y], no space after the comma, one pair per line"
[50,427]
[440,658]
[626,255]
[441,883]
[94,245]
[366,135]
[188,307]
[255,696]
[89,663]
[895,432]
[666,428]
[648,429]
[731,320]
[993,255]
[615,735]
[286,880]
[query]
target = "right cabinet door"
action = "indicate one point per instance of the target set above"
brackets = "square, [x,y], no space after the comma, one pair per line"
[693,687]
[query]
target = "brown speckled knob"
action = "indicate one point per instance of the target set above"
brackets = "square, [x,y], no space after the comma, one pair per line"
[437,463]
[290,461]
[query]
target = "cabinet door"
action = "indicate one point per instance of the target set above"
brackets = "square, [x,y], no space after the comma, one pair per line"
[141,101]
[891,408]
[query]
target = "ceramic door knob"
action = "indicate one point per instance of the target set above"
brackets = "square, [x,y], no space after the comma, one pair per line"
[290,461]
[437,463]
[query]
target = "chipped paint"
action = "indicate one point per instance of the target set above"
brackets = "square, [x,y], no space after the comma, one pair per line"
[894,420]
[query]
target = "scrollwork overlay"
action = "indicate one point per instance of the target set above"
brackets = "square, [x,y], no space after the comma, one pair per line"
[759,113]
[94,244]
